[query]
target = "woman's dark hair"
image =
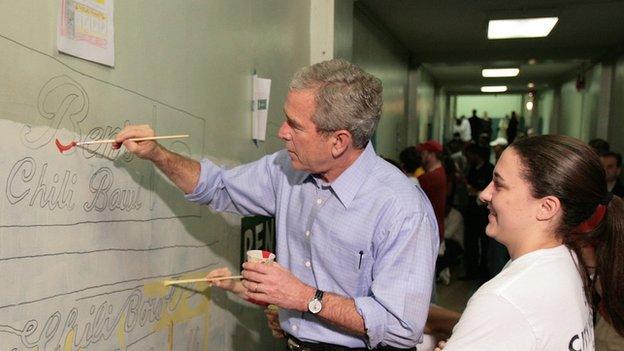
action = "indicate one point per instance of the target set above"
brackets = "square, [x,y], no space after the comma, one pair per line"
[567,168]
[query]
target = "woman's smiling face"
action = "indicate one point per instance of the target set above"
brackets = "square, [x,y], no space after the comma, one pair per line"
[513,209]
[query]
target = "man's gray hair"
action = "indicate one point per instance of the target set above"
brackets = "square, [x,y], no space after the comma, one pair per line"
[346,98]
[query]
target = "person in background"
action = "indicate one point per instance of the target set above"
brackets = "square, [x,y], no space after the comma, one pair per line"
[549,205]
[512,127]
[463,129]
[476,126]
[486,124]
[433,181]
[612,164]
[453,244]
[410,163]
[348,224]
[475,217]
[498,146]
[503,124]
[601,146]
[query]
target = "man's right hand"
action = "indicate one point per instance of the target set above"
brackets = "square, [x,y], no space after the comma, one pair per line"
[148,149]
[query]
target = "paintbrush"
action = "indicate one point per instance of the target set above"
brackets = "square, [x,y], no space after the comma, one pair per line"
[62,148]
[185,281]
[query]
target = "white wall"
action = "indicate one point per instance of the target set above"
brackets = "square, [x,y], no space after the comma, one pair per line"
[376,53]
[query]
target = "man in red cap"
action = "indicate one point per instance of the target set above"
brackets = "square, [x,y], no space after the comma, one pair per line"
[433,181]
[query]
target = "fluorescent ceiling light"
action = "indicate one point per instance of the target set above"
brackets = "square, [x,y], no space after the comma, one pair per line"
[521,28]
[500,72]
[494,89]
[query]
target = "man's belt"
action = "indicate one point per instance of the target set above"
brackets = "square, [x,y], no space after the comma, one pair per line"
[295,344]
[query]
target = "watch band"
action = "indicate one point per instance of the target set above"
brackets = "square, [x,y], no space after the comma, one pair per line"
[319,295]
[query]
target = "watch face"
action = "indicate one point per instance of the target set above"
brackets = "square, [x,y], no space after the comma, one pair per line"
[315,306]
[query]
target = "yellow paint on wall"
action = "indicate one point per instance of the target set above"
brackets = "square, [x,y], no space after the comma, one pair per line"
[69,341]
[184,311]
[121,333]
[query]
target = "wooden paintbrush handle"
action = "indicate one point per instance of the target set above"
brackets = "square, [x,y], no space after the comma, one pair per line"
[108,141]
[185,281]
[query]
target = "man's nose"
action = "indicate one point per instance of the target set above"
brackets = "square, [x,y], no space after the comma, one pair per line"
[284,132]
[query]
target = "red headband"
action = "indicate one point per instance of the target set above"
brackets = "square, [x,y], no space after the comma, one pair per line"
[592,222]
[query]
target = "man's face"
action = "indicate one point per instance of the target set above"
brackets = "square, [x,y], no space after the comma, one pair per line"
[425,158]
[612,171]
[308,150]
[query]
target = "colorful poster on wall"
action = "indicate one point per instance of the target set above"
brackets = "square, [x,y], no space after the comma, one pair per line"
[85,29]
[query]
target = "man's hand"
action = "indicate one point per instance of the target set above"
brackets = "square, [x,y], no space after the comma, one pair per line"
[147,149]
[231,285]
[274,284]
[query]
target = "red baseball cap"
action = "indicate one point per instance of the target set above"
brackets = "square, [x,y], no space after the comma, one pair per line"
[431,146]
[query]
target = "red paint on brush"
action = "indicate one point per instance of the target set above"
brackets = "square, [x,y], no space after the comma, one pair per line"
[62,148]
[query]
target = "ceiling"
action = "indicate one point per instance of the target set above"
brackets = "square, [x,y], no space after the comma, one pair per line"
[449,39]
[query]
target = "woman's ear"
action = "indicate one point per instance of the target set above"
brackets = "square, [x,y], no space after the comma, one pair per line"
[549,206]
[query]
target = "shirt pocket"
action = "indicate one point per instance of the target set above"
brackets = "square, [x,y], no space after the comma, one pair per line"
[348,266]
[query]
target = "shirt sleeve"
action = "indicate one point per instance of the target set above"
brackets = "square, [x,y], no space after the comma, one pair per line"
[492,323]
[396,310]
[246,190]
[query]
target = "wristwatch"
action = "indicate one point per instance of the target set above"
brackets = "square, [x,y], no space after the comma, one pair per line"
[315,305]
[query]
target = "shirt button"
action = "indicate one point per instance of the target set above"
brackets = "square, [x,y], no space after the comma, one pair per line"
[294,328]
[319,201]
[307,264]
[307,233]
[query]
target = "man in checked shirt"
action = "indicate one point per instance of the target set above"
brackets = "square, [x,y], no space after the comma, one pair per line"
[356,241]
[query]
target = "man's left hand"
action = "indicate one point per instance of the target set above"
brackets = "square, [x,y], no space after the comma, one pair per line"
[274,284]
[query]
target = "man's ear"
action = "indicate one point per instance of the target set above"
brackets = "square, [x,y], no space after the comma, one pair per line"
[549,206]
[343,140]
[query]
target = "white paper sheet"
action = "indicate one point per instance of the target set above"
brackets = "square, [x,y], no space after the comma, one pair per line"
[261,93]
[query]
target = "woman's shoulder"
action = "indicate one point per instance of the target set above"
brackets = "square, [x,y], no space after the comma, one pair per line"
[549,271]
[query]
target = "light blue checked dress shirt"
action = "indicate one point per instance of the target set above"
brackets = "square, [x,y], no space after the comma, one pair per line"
[370,235]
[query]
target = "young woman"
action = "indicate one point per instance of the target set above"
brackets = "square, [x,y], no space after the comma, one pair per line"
[548,204]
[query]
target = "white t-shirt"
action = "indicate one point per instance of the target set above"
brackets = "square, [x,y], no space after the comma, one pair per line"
[535,303]
[465,133]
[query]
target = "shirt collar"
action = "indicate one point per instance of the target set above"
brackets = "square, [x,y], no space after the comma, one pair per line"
[349,182]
